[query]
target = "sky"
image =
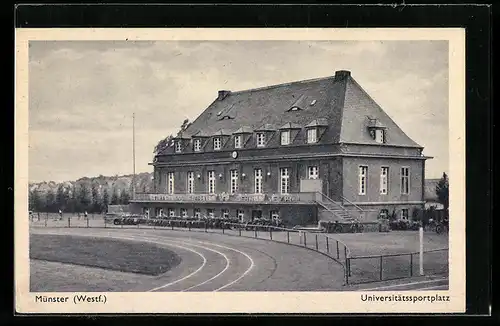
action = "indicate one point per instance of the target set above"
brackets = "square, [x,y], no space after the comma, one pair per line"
[82,94]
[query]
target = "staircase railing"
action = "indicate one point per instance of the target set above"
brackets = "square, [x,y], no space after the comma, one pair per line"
[331,201]
[352,204]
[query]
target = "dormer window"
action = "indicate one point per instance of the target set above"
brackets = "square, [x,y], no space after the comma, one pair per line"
[237,141]
[217,143]
[197,145]
[312,135]
[380,136]
[285,137]
[377,130]
[261,139]
[178,146]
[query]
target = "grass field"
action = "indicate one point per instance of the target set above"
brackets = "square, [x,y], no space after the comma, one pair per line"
[122,256]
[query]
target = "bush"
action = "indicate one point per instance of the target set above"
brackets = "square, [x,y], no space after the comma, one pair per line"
[402,225]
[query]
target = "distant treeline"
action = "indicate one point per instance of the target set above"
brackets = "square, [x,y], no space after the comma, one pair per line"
[80,198]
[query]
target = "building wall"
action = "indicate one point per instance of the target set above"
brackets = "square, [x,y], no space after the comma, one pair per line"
[351,180]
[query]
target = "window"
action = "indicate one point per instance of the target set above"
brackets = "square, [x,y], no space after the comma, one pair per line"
[285,181]
[363,171]
[405,180]
[237,141]
[384,175]
[184,213]
[241,215]
[285,137]
[178,146]
[261,139]
[312,172]
[225,213]
[211,182]
[384,213]
[190,182]
[274,215]
[145,211]
[159,212]
[217,143]
[210,213]
[234,181]
[170,178]
[197,145]
[404,214]
[197,213]
[312,136]
[258,181]
[171,212]
[380,136]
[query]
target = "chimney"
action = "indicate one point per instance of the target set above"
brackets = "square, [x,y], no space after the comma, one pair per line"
[223,94]
[342,74]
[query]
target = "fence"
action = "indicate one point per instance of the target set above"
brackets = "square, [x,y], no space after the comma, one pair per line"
[357,269]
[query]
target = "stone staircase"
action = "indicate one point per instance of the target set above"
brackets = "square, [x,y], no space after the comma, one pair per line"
[330,210]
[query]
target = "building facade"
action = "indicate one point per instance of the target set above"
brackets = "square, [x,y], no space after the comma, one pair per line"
[304,151]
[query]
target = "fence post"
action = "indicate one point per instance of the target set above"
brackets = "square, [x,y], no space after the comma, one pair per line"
[205,226]
[327,246]
[255,231]
[316,241]
[239,231]
[381,266]
[288,236]
[305,240]
[270,233]
[411,265]
[69,222]
[46,222]
[189,226]
[223,228]
[338,253]
[347,270]
[172,224]
[87,221]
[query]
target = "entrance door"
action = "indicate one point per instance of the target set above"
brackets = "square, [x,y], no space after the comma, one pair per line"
[256,214]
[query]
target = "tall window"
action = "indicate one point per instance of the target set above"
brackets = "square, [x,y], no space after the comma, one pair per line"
[225,213]
[211,182]
[234,181]
[190,182]
[404,214]
[197,145]
[312,135]
[363,172]
[197,213]
[384,175]
[210,213]
[285,181]
[261,139]
[237,141]
[285,137]
[241,215]
[184,213]
[312,172]
[170,178]
[258,181]
[274,215]
[405,180]
[217,143]
[171,212]
[178,146]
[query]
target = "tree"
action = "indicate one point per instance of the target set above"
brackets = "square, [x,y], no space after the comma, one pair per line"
[124,198]
[83,198]
[96,200]
[165,142]
[50,201]
[35,201]
[442,191]
[114,197]
[61,197]
[105,200]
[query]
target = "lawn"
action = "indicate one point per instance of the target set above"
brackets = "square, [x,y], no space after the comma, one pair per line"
[129,257]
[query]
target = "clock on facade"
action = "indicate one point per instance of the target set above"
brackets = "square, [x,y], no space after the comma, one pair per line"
[234,154]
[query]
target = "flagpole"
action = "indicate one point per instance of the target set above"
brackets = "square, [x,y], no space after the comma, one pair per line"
[133,154]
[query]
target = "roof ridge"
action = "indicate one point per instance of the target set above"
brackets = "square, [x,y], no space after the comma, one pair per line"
[282,84]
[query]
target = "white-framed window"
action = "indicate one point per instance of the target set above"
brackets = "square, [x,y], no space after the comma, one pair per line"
[211,182]
[184,213]
[312,172]
[384,177]
[363,173]
[405,180]
[170,180]
[190,182]
[237,141]
[234,181]
[380,136]
[261,139]
[197,213]
[312,135]
[258,181]
[404,214]
[197,145]
[171,212]
[159,212]
[217,143]
[178,146]
[274,215]
[284,181]
[285,137]
[225,213]
[145,211]
[241,215]
[210,213]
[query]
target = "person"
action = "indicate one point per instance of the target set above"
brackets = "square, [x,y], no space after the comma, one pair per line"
[85,214]
[60,215]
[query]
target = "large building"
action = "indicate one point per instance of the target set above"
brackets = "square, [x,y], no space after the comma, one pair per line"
[304,151]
